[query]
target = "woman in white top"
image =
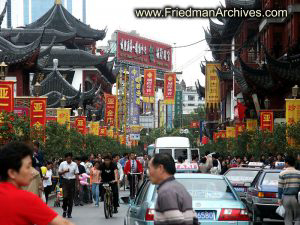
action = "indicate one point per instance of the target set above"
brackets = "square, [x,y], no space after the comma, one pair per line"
[47,180]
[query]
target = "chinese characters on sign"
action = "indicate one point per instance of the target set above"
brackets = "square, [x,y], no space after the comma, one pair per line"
[212,84]
[178,103]
[230,132]
[7,96]
[251,124]
[38,115]
[266,120]
[103,131]
[80,124]
[110,109]
[134,49]
[292,115]
[219,134]
[149,85]
[239,128]
[135,89]
[63,116]
[169,88]
[94,128]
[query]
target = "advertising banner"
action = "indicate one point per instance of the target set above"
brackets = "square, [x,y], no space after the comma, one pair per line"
[292,115]
[178,103]
[169,88]
[251,124]
[80,124]
[135,133]
[212,84]
[110,133]
[103,131]
[230,132]
[142,51]
[219,134]
[38,112]
[149,85]
[169,116]
[110,110]
[7,96]
[94,128]
[239,128]
[195,124]
[266,120]
[63,116]
[135,90]
[161,114]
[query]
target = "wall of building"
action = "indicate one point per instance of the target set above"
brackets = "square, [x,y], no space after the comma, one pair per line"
[190,100]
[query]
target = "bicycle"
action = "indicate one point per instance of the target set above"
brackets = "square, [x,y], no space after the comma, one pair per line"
[108,200]
[136,182]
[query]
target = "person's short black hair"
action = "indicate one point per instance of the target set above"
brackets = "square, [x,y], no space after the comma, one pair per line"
[115,155]
[207,153]
[36,143]
[290,160]
[166,160]
[69,154]
[194,157]
[49,163]
[203,160]
[11,156]
[180,159]
[215,163]
[77,158]
[107,156]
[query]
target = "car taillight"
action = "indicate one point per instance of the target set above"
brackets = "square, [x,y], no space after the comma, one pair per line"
[234,215]
[149,214]
[266,195]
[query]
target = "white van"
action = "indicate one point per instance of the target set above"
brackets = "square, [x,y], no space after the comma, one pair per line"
[176,146]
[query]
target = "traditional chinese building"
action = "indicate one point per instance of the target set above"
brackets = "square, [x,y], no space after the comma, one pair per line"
[63,37]
[265,62]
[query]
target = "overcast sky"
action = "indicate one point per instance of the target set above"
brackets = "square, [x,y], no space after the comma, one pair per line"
[118,14]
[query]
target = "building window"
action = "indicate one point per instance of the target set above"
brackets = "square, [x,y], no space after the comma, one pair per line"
[191,98]
[191,104]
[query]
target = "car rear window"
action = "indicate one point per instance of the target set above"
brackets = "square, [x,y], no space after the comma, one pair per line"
[271,179]
[168,151]
[241,175]
[208,189]
[181,152]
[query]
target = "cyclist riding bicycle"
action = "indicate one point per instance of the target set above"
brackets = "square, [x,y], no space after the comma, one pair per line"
[132,169]
[109,173]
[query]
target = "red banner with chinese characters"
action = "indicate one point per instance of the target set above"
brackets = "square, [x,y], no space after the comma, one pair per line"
[169,88]
[266,120]
[205,140]
[149,85]
[110,110]
[195,124]
[7,96]
[219,134]
[80,124]
[239,128]
[103,131]
[38,116]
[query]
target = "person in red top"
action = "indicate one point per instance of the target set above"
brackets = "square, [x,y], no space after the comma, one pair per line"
[132,167]
[20,207]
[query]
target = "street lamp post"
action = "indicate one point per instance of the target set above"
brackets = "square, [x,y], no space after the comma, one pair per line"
[63,102]
[37,88]
[94,117]
[295,90]
[267,103]
[3,71]
[80,111]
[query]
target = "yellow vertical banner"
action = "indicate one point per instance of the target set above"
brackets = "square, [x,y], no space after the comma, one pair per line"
[292,115]
[212,84]
[94,128]
[251,124]
[230,132]
[110,133]
[161,114]
[63,116]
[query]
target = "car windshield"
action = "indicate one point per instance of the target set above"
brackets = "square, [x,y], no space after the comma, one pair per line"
[271,179]
[181,152]
[241,175]
[207,189]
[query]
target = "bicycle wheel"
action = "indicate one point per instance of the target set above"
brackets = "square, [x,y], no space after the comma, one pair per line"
[106,206]
[111,205]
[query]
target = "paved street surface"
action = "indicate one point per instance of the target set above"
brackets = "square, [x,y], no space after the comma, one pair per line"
[91,215]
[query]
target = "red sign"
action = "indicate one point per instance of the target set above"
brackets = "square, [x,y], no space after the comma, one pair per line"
[239,128]
[103,131]
[38,115]
[51,118]
[266,120]
[142,51]
[110,101]
[80,124]
[7,96]
[195,124]
[21,111]
[219,134]
[149,82]
[170,88]
[205,140]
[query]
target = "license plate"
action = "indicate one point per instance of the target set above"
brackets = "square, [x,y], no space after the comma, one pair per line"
[206,215]
[239,189]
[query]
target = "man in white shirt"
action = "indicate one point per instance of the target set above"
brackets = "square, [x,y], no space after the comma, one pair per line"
[69,172]
[47,180]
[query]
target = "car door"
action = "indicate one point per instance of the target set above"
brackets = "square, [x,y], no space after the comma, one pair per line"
[252,190]
[135,205]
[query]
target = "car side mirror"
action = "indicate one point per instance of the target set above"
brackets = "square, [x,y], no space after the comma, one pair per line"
[247,184]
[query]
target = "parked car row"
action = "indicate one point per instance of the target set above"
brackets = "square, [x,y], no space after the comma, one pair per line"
[217,199]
